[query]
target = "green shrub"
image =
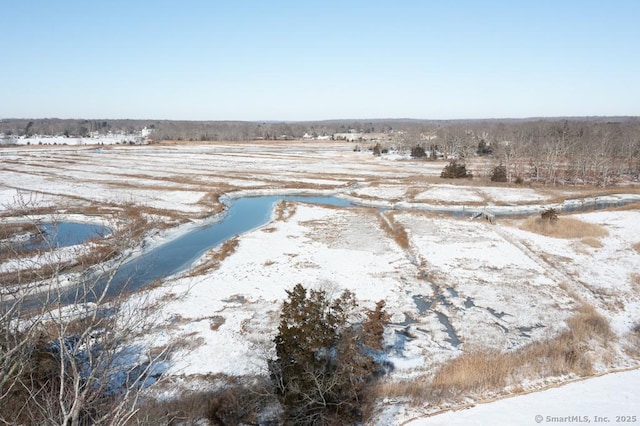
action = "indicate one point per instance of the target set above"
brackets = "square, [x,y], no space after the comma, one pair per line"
[499,174]
[455,170]
[418,152]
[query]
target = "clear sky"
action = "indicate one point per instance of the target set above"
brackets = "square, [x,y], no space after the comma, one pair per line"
[314,60]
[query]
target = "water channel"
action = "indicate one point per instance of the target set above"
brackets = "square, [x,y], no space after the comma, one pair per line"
[241,215]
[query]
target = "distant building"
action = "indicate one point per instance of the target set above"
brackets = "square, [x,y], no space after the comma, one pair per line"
[360,137]
[351,137]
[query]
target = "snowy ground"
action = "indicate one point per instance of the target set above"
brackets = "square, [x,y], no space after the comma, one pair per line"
[612,398]
[458,284]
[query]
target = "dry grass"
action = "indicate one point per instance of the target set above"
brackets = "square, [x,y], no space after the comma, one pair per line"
[567,353]
[416,390]
[564,227]
[29,275]
[216,257]
[557,195]
[227,401]
[134,225]
[413,191]
[635,281]
[592,242]
[394,229]
[633,342]
[570,292]
[211,200]
[28,211]
[10,230]
[588,322]
[99,252]
[489,371]
[636,247]
[475,371]
[226,249]
[560,356]
[284,210]
[187,342]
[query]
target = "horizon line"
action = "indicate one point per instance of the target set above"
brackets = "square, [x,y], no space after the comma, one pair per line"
[273,121]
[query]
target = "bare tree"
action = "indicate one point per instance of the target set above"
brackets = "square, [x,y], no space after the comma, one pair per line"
[72,361]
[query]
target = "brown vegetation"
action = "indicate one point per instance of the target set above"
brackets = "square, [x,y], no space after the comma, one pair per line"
[549,215]
[633,342]
[212,201]
[488,371]
[499,174]
[71,364]
[216,256]
[592,242]
[394,229]
[11,230]
[635,281]
[133,224]
[284,210]
[476,371]
[235,401]
[96,252]
[579,151]
[564,227]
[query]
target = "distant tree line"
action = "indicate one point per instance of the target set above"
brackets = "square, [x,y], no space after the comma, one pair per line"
[598,150]
[193,130]
[68,127]
[549,151]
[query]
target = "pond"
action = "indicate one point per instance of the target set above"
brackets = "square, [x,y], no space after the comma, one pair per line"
[28,237]
[63,234]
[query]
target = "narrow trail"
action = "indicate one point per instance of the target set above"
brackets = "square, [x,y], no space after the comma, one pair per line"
[556,273]
[570,284]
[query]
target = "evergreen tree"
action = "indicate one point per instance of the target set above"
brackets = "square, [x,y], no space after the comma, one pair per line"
[323,360]
[499,173]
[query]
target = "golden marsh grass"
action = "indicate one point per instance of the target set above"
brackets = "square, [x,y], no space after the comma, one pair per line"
[564,227]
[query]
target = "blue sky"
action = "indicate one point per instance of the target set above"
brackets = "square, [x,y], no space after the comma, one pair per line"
[314,60]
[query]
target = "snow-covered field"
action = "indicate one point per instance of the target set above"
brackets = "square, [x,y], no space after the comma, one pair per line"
[458,284]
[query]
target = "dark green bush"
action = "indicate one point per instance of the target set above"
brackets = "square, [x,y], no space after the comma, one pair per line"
[499,174]
[455,170]
[325,364]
